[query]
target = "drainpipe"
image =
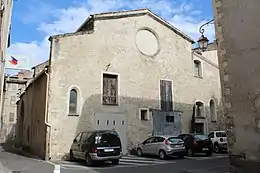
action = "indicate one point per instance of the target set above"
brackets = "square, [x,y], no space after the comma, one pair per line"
[2,60]
[47,135]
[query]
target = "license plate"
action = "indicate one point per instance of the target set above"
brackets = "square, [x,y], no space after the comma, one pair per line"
[108,150]
[205,149]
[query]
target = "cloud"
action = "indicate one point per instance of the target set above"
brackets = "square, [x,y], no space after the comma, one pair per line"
[185,16]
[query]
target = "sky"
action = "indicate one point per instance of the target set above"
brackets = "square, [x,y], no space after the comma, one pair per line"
[33,21]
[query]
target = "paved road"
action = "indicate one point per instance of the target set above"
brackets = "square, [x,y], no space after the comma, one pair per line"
[215,164]
[199,164]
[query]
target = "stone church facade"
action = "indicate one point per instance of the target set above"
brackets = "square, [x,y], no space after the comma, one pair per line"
[118,71]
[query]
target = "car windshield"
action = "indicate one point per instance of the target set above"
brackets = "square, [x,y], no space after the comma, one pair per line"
[201,137]
[175,139]
[221,134]
[108,140]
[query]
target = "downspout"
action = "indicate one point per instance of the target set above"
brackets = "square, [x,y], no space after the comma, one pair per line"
[2,58]
[47,135]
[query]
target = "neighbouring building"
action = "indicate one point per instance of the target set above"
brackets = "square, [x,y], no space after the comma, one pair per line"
[237,27]
[130,71]
[13,88]
[5,25]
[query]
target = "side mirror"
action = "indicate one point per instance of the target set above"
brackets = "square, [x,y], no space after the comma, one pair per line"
[144,143]
[74,140]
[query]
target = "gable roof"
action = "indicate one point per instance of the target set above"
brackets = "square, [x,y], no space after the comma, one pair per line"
[133,13]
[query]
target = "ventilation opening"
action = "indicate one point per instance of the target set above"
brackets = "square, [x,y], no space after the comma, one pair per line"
[144,115]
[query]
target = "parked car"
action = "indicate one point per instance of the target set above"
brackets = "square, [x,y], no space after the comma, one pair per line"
[100,145]
[162,146]
[219,140]
[197,143]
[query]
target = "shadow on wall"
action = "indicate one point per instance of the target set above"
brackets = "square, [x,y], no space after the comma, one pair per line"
[136,129]
[10,145]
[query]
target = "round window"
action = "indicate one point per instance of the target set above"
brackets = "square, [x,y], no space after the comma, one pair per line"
[147,42]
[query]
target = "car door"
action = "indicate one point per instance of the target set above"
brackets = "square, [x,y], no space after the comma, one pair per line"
[211,136]
[147,145]
[83,144]
[156,145]
[75,145]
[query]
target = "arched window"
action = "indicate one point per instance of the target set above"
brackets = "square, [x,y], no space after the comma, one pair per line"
[212,110]
[73,102]
[199,109]
[197,68]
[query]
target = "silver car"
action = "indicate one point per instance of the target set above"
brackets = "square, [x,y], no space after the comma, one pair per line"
[162,146]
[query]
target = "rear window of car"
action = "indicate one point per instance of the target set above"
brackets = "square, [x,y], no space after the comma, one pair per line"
[108,140]
[175,139]
[201,137]
[221,134]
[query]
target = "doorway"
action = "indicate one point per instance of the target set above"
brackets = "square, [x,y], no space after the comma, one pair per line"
[199,128]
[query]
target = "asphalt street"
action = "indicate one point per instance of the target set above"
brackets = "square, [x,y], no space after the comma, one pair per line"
[129,164]
[218,163]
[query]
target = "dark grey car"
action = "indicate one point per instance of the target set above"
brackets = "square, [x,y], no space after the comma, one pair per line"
[100,145]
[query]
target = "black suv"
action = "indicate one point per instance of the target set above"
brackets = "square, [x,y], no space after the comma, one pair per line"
[100,145]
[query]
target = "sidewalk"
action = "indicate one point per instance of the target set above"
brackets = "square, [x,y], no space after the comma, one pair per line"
[15,159]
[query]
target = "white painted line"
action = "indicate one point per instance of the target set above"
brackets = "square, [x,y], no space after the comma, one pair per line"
[140,158]
[56,169]
[142,161]
[131,163]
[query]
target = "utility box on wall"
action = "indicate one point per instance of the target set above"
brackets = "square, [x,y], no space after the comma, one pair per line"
[166,123]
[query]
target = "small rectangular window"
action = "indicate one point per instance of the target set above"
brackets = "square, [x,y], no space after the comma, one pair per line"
[14,87]
[110,89]
[169,119]
[12,101]
[144,114]
[11,117]
[197,68]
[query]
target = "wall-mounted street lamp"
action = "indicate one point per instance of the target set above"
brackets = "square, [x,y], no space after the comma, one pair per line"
[203,41]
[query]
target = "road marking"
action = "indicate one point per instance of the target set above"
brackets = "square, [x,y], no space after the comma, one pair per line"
[125,161]
[206,158]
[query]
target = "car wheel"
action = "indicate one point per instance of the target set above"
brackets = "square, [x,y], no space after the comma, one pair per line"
[72,158]
[115,162]
[216,148]
[89,161]
[181,156]
[139,152]
[190,152]
[162,154]
[209,154]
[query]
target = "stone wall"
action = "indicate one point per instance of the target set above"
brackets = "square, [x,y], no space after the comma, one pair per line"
[31,109]
[237,30]
[78,61]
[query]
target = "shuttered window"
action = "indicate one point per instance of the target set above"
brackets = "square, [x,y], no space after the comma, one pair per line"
[110,89]
[166,95]
[197,68]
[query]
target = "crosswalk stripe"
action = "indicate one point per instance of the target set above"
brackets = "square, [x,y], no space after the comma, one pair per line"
[206,158]
[140,158]
[138,161]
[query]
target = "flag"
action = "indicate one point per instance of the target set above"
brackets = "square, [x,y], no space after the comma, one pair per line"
[13,61]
